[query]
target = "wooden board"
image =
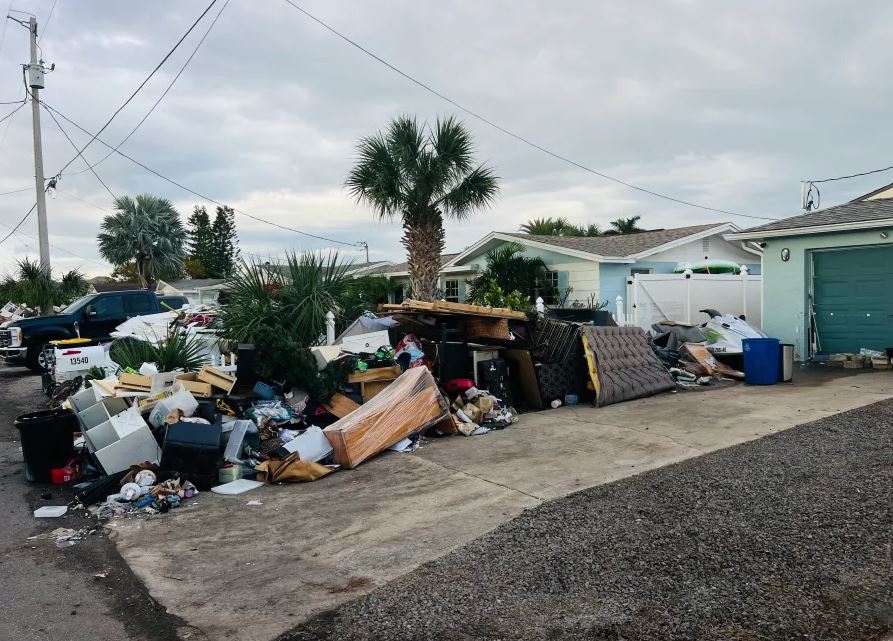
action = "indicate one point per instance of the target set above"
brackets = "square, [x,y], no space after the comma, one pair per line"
[217,378]
[440,306]
[135,381]
[709,362]
[376,374]
[197,388]
[369,389]
[341,406]
[523,368]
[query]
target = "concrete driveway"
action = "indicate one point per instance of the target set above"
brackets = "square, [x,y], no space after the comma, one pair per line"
[251,572]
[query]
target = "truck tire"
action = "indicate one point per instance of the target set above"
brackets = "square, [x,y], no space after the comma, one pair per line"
[34,355]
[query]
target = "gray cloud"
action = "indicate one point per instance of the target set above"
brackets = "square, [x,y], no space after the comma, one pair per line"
[728,105]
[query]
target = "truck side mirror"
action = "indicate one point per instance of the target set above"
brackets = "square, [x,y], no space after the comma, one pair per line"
[89,312]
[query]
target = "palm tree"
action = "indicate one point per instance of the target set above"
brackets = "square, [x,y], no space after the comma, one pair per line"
[512,270]
[148,231]
[420,175]
[34,285]
[546,226]
[627,225]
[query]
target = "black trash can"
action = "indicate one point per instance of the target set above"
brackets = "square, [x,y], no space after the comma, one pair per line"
[47,441]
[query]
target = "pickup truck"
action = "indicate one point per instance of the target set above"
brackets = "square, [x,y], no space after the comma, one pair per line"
[94,316]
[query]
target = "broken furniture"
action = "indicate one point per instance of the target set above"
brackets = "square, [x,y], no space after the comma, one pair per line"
[408,406]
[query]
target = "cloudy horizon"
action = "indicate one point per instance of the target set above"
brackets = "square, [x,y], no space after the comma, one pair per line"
[728,106]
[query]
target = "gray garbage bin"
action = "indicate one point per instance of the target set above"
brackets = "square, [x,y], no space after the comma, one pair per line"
[786,363]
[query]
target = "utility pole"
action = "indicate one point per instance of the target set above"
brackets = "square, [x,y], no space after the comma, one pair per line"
[36,82]
[365,245]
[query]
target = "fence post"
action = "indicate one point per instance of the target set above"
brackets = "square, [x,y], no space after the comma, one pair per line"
[744,275]
[688,272]
[619,315]
[330,327]
[540,306]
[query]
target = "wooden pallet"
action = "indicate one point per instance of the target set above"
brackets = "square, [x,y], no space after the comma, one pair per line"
[443,307]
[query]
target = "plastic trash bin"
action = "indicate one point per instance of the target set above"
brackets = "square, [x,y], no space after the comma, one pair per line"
[47,441]
[761,360]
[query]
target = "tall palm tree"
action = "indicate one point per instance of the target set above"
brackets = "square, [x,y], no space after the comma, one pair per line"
[627,225]
[421,175]
[148,231]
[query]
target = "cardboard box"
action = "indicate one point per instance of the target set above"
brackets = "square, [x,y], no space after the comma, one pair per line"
[137,381]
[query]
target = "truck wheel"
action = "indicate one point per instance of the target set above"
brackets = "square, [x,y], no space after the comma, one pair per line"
[34,359]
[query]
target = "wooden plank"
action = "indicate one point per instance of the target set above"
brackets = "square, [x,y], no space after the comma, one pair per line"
[135,380]
[374,374]
[217,378]
[523,368]
[445,307]
[197,388]
[341,406]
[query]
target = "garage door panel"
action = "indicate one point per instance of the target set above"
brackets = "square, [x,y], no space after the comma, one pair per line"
[853,302]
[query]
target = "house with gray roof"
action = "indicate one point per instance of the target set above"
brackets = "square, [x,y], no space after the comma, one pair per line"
[828,276]
[591,268]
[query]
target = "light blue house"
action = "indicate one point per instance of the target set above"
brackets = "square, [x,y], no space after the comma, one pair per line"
[828,276]
[593,268]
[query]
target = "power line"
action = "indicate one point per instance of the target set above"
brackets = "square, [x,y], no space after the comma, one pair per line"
[46,23]
[19,224]
[192,191]
[508,132]
[161,97]
[71,142]
[864,173]
[5,24]
[142,84]
[16,191]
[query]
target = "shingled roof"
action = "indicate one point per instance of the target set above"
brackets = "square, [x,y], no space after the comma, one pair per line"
[621,245]
[851,213]
[402,267]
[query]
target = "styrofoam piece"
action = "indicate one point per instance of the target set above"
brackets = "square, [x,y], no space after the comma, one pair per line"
[239,486]
[234,444]
[136,447]
[182,400]
[312,445]
[50,511]
[148,369]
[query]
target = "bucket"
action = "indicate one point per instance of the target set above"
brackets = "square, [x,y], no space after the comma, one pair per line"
[761,360]
[47,442]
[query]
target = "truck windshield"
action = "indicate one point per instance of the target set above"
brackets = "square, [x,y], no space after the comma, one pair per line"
[78,304]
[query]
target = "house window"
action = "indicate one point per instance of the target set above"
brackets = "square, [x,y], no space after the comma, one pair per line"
[641,270]
[451,290]
[705,246]
[550,294]
[398,294]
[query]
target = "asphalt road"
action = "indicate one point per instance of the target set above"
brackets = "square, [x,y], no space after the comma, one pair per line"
[784,538]
[51,594]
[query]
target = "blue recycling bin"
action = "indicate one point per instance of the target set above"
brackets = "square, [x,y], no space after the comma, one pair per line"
[761,359]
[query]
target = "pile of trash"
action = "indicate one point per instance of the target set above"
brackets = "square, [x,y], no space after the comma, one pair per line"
[147,441]
[694,354]
[864,359]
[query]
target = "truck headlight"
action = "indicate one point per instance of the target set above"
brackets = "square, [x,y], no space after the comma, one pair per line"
[15,336]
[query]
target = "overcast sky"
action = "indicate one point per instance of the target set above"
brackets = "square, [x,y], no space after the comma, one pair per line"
[726,104]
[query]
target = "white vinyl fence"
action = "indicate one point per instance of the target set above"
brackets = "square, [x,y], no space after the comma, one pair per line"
[651,298]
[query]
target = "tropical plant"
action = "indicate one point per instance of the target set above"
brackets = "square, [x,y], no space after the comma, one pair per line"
[421,175]
[34,285]
[546,226]
[146,230]
[294,297]
[361,295]
[560,226]
[512,271]
[626,225]
[125,273]
[491,294]
[177,350]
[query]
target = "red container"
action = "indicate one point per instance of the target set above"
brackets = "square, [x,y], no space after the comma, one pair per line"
[61,475]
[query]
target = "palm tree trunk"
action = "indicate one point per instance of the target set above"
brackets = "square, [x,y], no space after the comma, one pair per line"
[424,243]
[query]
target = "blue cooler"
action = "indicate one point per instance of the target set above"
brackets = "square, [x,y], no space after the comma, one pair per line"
[761,359]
